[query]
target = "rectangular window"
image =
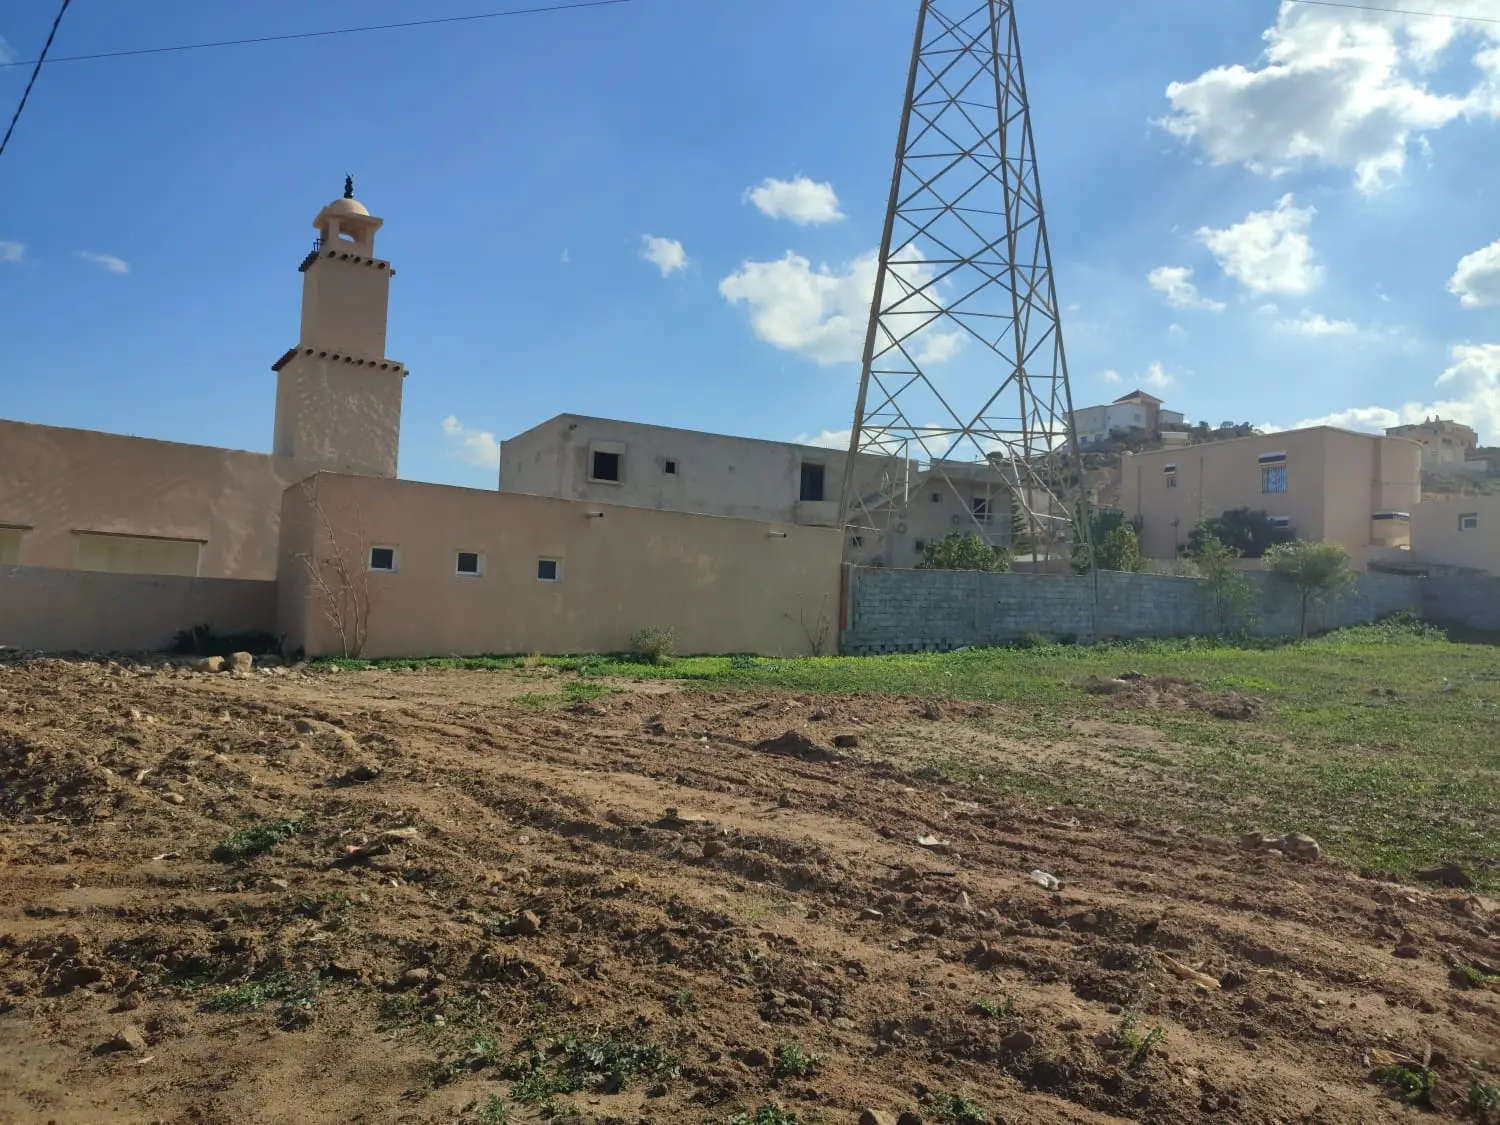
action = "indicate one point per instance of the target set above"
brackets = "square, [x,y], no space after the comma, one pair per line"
[10,546]
[670,468]
[937,497]
[549,570]
[604,466]
[1171,480]
[1279,521]
[812,482]
[1273,478]
[1469,521]
[131,554]
[980,506]
[383,559]
[856,541]
[469,563]
[920,545]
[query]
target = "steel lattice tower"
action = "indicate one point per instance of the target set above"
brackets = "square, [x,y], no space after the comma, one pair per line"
[965,271]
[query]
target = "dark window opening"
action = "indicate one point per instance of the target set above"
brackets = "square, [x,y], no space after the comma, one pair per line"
[547,570]
[981,508]
[670,468]
[812,482]
[856,541]
[606,466]
[382,558]
[468,562]
[937,497]
[921,546]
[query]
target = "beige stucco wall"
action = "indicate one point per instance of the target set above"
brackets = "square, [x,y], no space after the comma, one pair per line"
[337,415]
[84,611]
[1436,535]
[725,585]
[57,482]
[1336,482]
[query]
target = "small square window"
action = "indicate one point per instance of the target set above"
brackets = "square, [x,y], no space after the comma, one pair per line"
[549,570]
[1273,478]
[670,468]
[1469,521]
[980,506]
[469,563]
[920,545]
[856,541]
[383,558]
[604,466]
[937,497]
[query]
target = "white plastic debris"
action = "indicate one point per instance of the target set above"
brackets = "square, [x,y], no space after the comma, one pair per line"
[1045,881]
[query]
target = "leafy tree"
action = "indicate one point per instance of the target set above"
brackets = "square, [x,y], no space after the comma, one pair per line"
[1317,571]
[1234,600]
[1020,531]
[964,551]
[1249,532]
[1119,549]
[1117,544]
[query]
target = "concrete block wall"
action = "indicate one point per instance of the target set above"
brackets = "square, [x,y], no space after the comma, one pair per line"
[935,610]
[1472,600]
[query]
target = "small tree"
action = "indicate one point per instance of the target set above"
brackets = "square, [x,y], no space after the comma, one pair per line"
[338,577]
[964,551]
[1234,600]
[1241,529]
[1119,549]
[1317,571]
[1020,531]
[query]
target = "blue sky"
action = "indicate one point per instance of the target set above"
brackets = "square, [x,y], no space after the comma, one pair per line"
[1328,176]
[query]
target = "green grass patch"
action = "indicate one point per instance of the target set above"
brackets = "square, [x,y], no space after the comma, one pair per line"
[1413,1084]
[793,1062]
[959,1109]
[596,1062]
[768,1113]
[255,840]
[495,1111]
[995,1009]
[293,991]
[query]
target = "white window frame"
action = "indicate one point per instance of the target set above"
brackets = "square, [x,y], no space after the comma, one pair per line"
[1468,521]
[615,447]
[557,573]
[394,568]
[479,559]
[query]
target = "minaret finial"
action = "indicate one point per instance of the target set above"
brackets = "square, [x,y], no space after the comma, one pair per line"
[348,187]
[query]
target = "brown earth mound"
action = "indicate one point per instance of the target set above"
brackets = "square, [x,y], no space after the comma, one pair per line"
[1170,693]
[397,897]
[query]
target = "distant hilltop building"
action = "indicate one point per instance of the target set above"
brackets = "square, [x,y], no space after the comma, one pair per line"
[1443,443]
[1137,413]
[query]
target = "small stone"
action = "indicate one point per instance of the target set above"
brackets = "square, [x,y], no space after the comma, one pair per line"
[712,848]
[240,662]
[1407,952]
[413,977]
[1249,1030]
[870,914]
[757,1057]
[1300,846]
[278,884]
[1073,1024]
[843,1023]
[528,923]
[572,956]
[909,1118]
[209,664]
[1019,1041]
[846,742]
[962,902]
[175,798]
[876,1117]
[128,1038]
[129,1002]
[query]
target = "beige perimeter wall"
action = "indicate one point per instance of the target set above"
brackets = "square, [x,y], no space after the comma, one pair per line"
[724,585]
[83,611]
[58,482]
[1438,536]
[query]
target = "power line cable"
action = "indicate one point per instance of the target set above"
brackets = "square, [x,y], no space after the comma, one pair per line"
[333,31]
[36,70]
[1396,11]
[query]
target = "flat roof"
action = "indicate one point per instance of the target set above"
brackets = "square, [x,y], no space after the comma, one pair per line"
[1273,435]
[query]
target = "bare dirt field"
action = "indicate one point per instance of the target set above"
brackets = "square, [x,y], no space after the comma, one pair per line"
[391,896]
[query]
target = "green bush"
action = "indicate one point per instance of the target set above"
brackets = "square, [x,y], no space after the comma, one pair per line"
[964,551]
[653,646]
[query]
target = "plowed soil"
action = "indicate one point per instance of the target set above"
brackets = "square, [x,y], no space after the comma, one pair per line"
[457,880]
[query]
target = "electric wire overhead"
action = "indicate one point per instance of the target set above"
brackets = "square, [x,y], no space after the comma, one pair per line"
[331,31]
[36,70]
[1396,11]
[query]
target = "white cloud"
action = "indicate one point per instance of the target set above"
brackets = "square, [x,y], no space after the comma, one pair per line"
[473,447]
[1175,283]
[1177,332]
[1316,324]
[1269,252]
[1343,88]
[801,200]
[825,313]
[828,439]
[13,252]
[1110,376]
[1476,282]
[1469,390]
[1156,376]
[666,254]
[106,261]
